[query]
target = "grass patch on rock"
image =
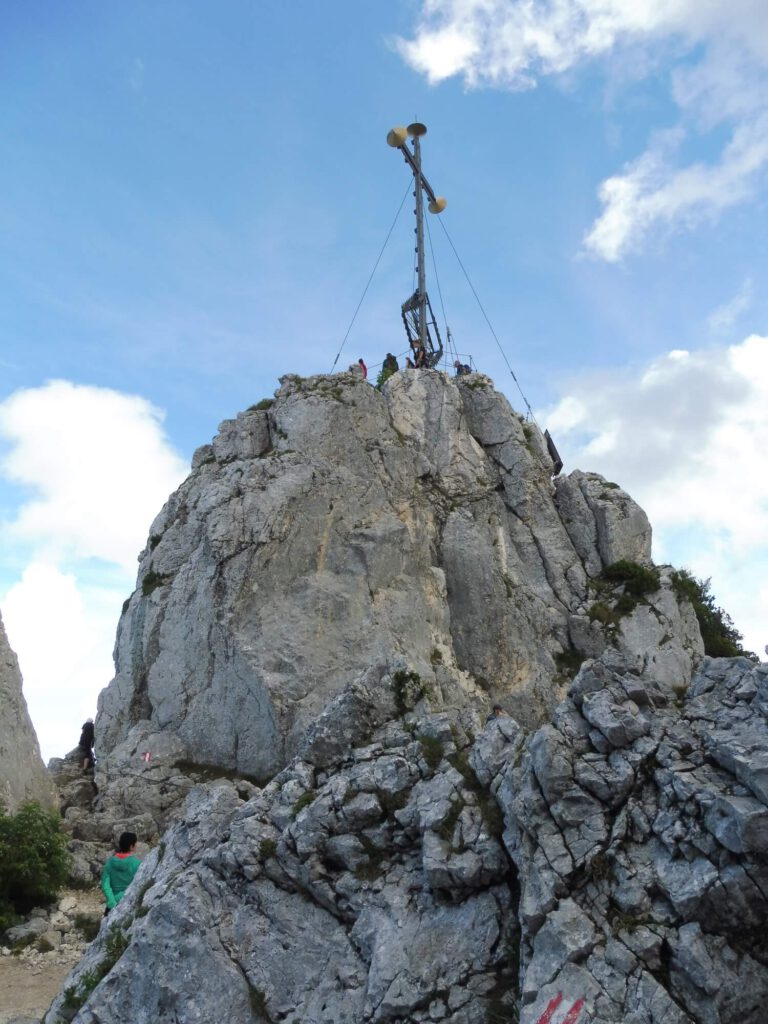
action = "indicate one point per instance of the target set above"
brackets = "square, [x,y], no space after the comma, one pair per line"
[75,996]
[493,819]
[373,868]
[153,580]
[304,801]
[87,925]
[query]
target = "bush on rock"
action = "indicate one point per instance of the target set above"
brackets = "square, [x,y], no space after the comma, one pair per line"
[33,860]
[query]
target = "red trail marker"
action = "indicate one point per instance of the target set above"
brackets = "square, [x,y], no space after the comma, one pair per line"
[570,1018]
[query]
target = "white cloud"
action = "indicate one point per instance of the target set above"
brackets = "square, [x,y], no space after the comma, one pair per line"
[62,631]
[686,436]
[97,465]
[719,58]
[95,468]
[726,315]
[651,193]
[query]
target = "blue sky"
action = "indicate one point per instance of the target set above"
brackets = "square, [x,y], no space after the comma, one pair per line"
[192,198]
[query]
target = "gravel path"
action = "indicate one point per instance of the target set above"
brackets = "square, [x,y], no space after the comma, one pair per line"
[29,980]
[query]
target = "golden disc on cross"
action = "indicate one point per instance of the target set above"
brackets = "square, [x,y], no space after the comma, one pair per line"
[416,129]
[438,204]
[396,137]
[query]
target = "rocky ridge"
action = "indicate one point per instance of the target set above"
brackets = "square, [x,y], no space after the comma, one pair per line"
[338,527]
[22,773]
[613,861]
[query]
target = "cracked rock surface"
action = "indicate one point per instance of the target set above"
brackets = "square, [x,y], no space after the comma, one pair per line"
[375,887]
[343,527]
[638,824]
[613,860]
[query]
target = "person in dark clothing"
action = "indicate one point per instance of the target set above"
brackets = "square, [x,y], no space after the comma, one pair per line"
[119,870]
[388,368]
[86,744]
[462,369]
[409,363]
[496,712]
[421,357]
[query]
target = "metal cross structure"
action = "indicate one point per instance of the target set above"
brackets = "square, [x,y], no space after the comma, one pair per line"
[417,310]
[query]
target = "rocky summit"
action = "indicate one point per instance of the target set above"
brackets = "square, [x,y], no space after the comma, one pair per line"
[22,773]
[339,528]
[325,612]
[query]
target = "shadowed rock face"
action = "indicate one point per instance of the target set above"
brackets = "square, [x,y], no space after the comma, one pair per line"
[22,773]
[343,528]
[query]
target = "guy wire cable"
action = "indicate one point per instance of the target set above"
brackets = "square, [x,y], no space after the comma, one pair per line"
[439,289]
[490,325]
[365,290]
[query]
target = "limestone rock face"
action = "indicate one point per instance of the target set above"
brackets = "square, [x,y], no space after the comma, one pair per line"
[610,865]
[23,776]
[638,824]
[366,883]
[343,528]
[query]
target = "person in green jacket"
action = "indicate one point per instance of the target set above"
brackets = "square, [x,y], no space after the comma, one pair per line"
[119,870]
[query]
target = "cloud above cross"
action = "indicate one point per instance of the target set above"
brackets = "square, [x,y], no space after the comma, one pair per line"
[714,56]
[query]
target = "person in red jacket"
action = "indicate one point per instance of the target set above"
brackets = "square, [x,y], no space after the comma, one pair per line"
[119,870]
[363,367]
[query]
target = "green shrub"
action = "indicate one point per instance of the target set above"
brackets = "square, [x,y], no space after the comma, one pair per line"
[720,636]
[569,662]
[33,859]
[267,848]
[432,750]
[638,580]
[409,689]
[384,374]
[117,943]
[265,403]
[625,605]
